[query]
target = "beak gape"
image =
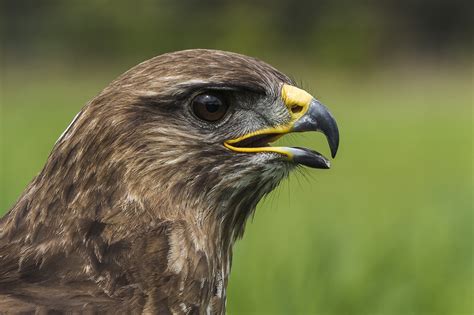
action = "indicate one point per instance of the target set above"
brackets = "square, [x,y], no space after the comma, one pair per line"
[307,114]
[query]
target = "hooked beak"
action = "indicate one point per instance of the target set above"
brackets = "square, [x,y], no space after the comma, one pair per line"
[307,114]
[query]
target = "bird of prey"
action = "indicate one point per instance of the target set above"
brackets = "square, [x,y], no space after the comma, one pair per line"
[143,196]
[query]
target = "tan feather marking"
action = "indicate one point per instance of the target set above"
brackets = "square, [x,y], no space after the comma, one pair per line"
[178,250]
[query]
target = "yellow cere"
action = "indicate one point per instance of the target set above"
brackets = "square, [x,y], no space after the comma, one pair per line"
[297,101]
[295,97]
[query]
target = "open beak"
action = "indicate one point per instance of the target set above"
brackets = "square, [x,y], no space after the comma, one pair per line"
[307,114]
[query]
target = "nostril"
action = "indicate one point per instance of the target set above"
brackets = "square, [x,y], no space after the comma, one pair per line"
[296,109]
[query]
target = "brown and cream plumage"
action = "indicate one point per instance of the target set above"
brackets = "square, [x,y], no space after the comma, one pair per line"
[143,196]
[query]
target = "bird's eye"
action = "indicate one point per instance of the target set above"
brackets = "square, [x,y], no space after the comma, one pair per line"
[209,107]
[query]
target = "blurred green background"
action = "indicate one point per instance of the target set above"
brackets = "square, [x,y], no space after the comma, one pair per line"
[388,230]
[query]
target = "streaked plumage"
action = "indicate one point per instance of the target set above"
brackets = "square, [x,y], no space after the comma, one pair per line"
[139,203]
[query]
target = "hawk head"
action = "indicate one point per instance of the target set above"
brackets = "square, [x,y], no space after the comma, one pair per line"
[156,176]
[185,135]
[153,181]
[191,132]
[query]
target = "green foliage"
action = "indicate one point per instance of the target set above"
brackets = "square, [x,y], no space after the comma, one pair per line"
[351,33]
[388,230]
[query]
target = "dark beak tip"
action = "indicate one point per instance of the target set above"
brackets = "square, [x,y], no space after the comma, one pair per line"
[319,118]
[322,120]
[334,144]
[329,128]
[331,131]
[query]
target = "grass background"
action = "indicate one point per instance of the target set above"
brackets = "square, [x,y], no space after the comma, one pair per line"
[388,230]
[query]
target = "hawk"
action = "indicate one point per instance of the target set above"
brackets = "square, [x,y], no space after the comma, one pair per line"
[143,196]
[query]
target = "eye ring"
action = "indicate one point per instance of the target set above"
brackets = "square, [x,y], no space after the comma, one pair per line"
[209,107]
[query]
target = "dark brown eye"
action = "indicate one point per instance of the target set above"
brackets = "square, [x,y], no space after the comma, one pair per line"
[209,107]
